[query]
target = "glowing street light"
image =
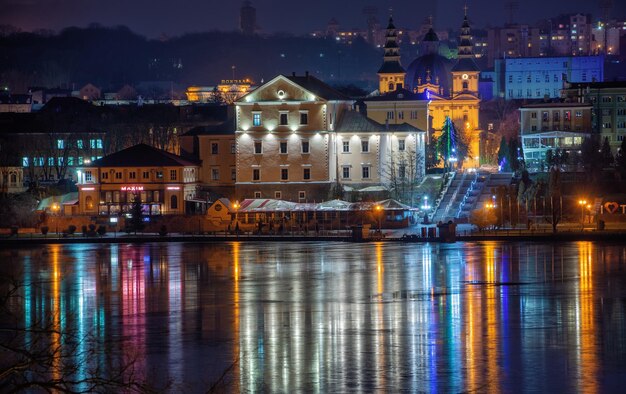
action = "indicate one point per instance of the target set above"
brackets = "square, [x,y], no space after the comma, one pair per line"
[378,209]
[582,204]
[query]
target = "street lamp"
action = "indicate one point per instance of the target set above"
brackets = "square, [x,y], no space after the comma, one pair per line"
[55,211]
[425,208]
[379,210]
[236,206]
[582,204]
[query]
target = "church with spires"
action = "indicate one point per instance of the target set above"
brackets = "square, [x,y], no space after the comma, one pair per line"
[450,86]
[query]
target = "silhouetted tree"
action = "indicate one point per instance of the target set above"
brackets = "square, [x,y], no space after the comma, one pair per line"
[607,156]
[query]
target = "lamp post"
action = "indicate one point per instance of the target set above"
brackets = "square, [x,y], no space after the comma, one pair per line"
[55,211]
[236,208]
[582,204]
[425,208]
[378,210]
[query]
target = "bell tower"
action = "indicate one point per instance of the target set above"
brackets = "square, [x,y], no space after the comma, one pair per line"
[391,74]
[465,72]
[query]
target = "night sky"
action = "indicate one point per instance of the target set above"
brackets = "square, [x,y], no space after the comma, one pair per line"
[174,17]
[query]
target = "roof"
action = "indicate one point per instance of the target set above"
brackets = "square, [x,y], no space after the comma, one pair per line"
[397,95]
[318,88]
[143,155]
[353,121]
[465,64]
[431,36]
[392,67]
[224,128]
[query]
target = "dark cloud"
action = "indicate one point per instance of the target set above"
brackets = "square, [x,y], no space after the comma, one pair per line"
[173,17]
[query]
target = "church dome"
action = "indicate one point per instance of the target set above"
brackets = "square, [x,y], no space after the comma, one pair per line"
[433,66]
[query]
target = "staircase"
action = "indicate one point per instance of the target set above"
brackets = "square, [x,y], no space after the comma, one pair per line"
[453,197]
[471,197]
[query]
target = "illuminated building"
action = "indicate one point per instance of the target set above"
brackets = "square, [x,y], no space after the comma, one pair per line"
[391,74]
[284,139]
[548,126]
[162,180]
[227,92]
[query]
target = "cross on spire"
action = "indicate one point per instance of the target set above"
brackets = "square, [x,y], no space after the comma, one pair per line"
[465,7]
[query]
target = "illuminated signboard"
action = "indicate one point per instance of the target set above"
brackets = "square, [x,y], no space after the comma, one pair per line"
[132,188]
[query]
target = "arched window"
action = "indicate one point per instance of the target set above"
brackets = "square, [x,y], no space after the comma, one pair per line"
[89,202]
[173,202]
[465,85]
[391,86]
[13,178]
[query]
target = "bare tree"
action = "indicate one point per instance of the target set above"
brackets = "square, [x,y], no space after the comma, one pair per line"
[403,174]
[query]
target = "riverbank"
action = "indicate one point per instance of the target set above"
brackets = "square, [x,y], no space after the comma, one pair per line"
[389,236]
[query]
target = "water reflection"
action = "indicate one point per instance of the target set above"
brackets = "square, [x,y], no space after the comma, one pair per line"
[333,317]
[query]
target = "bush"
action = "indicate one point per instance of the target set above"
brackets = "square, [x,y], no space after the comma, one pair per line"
[71,229]
[44,230]
[163,231]
[102,230]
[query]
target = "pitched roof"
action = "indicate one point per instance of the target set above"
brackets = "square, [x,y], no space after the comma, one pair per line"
[391,68]
[465,64]
[143,155]
[317,87]
[353,121]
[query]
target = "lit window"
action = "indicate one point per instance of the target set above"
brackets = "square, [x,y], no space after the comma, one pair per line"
[88,177]
[60,144]
[256,119]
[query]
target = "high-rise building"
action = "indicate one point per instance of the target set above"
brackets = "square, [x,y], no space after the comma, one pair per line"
[247,18]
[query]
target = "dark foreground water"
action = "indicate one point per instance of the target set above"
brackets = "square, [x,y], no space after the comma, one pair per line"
[327,317]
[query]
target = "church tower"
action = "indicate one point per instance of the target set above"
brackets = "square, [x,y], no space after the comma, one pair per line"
[465,72]
[391,73]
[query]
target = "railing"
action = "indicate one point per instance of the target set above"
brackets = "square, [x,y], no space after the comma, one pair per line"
[444,190]
[466,196]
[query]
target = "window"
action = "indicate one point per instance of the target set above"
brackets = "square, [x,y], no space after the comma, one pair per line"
[132,175]
[302,195]
[345,172]
[258,147]
[88,177]
[305,146]
[529,93]
[233,174]
[365,146]
[400,114]
[284,174]
[389,115]
[284,118]
[579,114]
[233,149]
[256,119]
[215,174]
[70,161]
[79,144]
[118,175]
[173,175]
[283,147]
[568,116]
[306,175]
[401,171]
[159,174]
[556,116]
[278,195]
[413,114]
[510,78]
[60,144]
[146,175]
[465,85]
[174,202]
[24,161]
[401,145]
[545,116]
[346,146]
[214,148]
[304,118]
[366,172]
[257,194]
[533,128]
[95,144]
[105,175]
[607,99]
[538,92]
[533,115]
[256,174]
